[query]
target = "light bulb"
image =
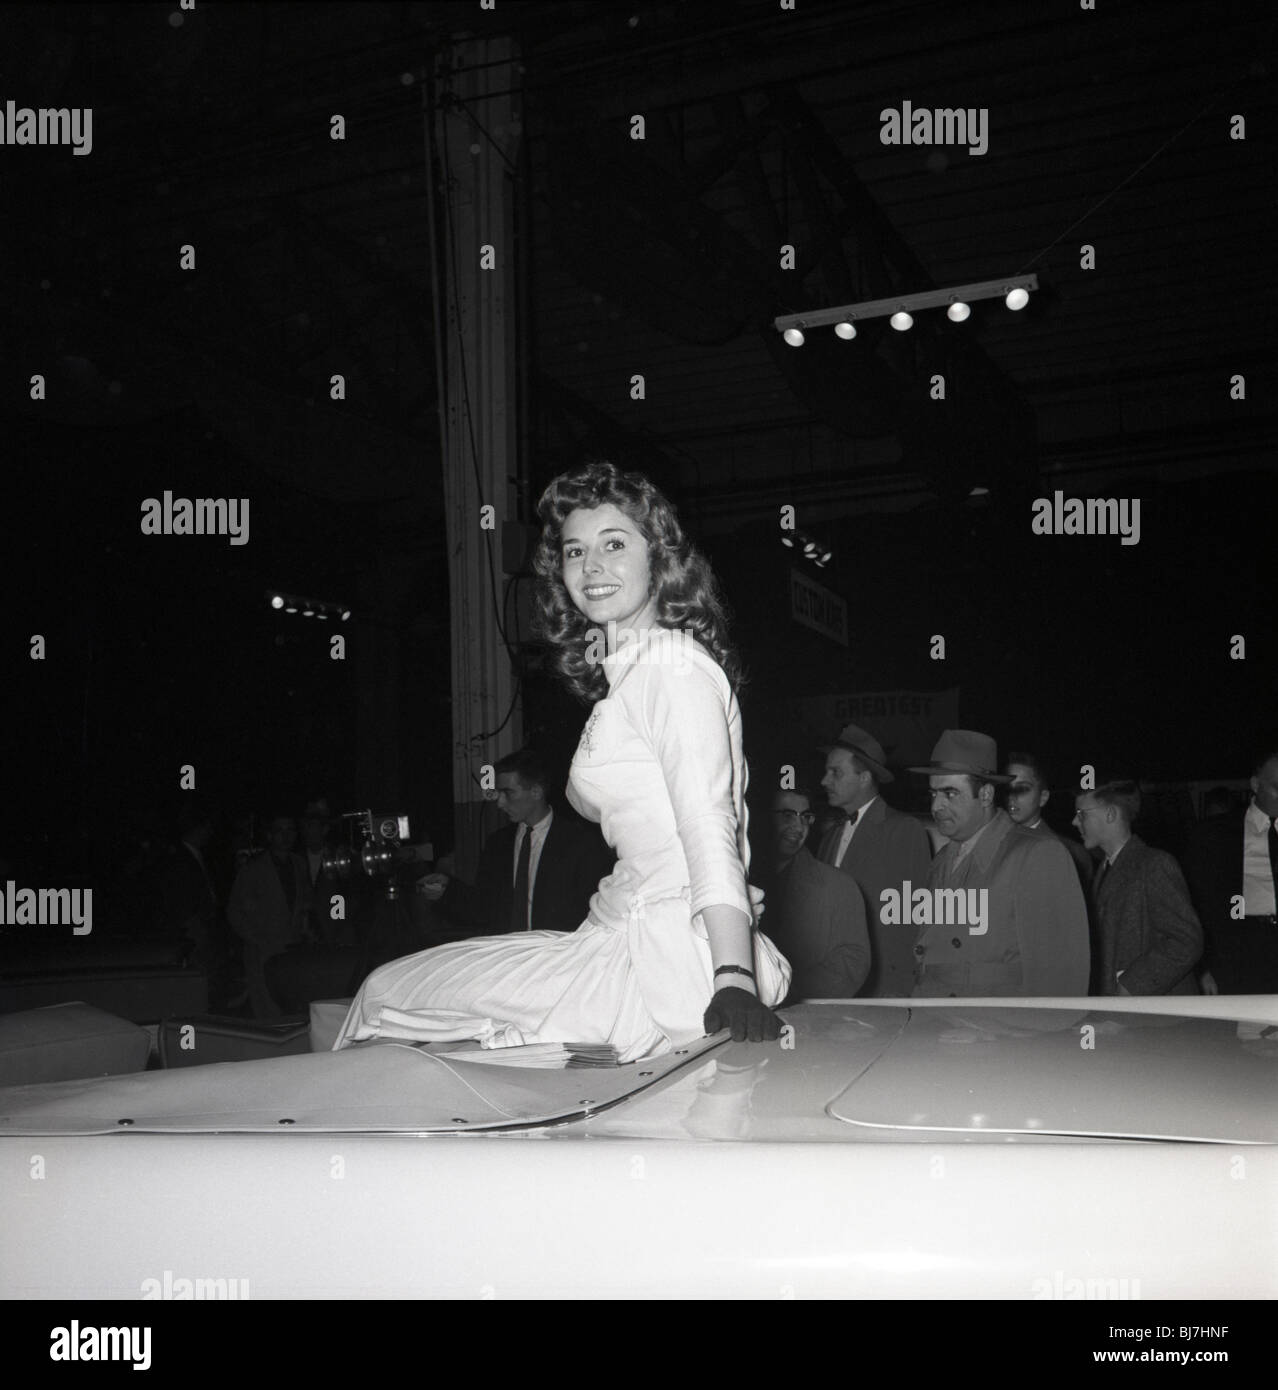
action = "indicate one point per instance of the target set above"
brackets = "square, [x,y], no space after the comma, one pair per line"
[901,321]
[793,336]
[1017,298]
[958,311]
[845,330]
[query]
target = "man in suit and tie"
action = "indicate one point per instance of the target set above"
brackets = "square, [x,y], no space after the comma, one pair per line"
[877,847]
[1150,939]
[267,908]
[1032,940]
[536,874]
[1232,866]
[814,914]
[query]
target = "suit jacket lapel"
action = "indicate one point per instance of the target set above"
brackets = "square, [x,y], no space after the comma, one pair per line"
[1238,856]
[987,848]
[865,842]
[542,883]
[506,885]
[943,864]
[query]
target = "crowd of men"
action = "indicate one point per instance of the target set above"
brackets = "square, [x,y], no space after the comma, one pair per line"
[1105,914]
[1098,912]
[985,900]
[249,939]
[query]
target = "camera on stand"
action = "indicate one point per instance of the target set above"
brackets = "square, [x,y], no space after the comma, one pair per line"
[377,846]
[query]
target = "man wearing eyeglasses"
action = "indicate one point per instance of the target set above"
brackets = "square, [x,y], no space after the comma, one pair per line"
[814,914]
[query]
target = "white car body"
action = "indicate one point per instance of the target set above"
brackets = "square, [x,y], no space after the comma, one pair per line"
[1029,1149]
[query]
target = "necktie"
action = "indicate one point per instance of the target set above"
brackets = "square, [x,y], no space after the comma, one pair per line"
[829,852]
[1100,875]
[519,904]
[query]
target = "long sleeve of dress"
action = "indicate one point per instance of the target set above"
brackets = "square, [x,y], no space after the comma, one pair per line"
[694,728]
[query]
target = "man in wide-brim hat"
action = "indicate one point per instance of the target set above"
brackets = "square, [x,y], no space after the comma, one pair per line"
[1033,940]
[877,846]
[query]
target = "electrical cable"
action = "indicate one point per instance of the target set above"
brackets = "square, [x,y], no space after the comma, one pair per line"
[1224,90]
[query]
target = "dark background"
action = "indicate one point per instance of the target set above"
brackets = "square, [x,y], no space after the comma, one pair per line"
[1110,128]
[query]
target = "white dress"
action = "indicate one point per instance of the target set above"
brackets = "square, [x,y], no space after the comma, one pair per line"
[660,767]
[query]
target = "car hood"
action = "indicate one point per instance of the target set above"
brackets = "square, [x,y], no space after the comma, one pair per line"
[937,1071]
[858,1071]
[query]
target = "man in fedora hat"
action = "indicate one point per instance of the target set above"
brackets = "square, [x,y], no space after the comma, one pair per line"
[1032,939]
[879,847]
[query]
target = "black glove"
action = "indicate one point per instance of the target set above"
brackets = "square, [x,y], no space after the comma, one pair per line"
[747,1016]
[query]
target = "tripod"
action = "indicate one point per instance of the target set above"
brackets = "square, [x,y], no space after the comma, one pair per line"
[390,932]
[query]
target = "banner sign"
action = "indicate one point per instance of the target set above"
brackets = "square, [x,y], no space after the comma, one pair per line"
[817,607]
[906,722]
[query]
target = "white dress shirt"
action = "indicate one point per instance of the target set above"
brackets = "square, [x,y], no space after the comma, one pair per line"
[850,829]
[1258,878]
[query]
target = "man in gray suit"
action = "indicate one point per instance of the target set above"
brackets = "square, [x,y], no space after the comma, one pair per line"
[1031,939]
[878,847]
[1150,936]
[814,915]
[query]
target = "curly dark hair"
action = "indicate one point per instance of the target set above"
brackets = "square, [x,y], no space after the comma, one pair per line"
[686,590]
